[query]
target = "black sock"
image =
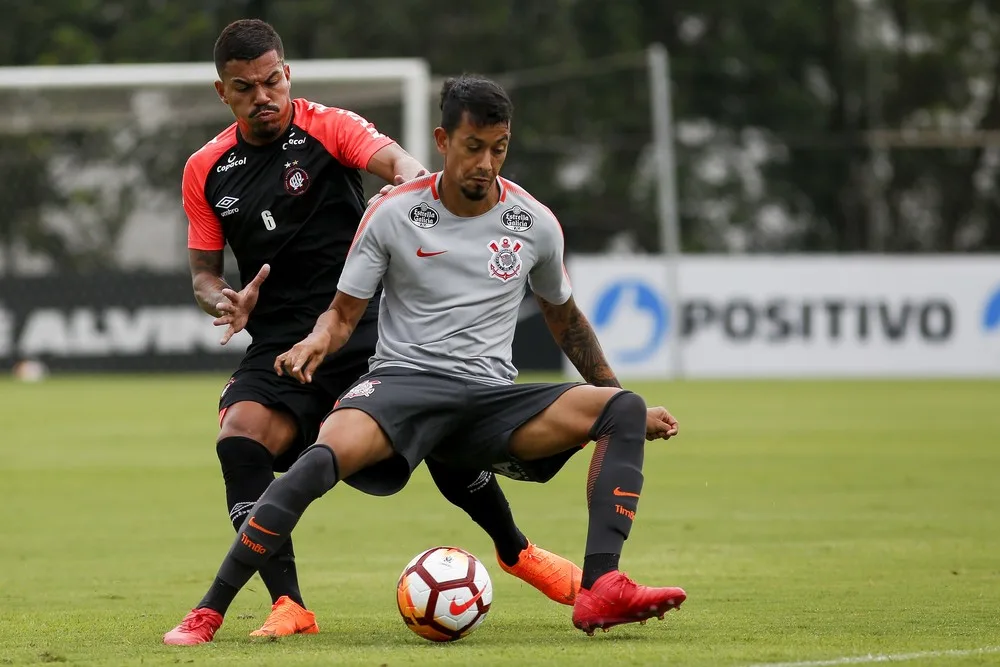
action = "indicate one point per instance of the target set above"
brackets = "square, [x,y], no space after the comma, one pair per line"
[614,482]
[479,494]
[219,596]
[271,521]
[247,468]
[594,565]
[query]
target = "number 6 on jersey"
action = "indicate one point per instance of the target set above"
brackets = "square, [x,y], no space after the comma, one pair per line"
[268,220]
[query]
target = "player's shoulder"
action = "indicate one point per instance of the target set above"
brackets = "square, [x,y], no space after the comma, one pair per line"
[521,211]
[314,115]
[419,192]
[203,158]
[307,112]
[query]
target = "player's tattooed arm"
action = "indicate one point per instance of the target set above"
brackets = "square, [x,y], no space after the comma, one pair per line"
[206,279]
[572,330]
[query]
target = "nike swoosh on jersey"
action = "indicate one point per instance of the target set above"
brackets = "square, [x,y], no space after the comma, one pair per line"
[618,492]
[423,253]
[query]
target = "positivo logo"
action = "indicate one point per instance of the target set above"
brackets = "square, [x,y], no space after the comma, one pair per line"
[634,320]
[991,314]
[628,343]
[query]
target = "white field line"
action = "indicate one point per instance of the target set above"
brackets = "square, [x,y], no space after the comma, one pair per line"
[892,657]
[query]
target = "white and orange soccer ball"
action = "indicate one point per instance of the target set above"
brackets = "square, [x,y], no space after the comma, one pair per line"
[444,594]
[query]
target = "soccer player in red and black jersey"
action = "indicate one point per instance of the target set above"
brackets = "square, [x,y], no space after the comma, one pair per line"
[282,186]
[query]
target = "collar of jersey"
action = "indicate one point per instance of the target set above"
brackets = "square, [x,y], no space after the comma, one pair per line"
[444,209]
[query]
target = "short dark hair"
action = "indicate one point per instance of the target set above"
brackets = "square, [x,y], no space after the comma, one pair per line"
[486,102]
[246,39]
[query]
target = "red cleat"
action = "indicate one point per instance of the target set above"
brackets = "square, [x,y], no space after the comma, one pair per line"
[615,599]
[198,627]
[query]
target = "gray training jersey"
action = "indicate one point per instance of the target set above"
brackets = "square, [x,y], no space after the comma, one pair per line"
[452,286]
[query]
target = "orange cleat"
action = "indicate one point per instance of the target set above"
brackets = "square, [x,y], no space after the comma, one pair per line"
[615,599]
[198,627]
[287,618]
[553,575]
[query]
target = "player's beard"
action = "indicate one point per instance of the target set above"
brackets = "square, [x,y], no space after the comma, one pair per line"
[266,131]
[477,194]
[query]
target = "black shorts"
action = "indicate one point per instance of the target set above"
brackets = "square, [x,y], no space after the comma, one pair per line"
[460,422]
[256,381]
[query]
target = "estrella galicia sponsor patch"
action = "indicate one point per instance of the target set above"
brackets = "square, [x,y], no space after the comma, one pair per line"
[424,216]
[516,219]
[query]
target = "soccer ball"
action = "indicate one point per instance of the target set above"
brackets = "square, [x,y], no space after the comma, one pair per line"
[444,594]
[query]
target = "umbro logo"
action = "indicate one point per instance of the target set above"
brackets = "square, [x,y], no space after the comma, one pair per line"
[227,202]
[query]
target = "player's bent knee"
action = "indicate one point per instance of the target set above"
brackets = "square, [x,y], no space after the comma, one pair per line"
[356,439]
[323,466]
[274,429]
[625,412]
[627,405]
[236,451]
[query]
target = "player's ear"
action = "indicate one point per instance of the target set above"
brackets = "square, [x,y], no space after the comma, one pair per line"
[220,89]
[441,140]
[288,72]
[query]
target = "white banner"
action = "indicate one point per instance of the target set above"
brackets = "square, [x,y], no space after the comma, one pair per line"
[795,316]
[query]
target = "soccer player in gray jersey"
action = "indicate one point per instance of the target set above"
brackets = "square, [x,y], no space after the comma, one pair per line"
[454,252]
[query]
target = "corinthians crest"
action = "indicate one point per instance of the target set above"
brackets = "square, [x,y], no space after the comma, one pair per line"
[366,388]
[505,262]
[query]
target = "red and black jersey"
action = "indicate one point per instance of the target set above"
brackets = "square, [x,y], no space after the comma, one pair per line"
[294,204]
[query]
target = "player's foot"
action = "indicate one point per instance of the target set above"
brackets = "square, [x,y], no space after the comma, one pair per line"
[198,627]
[287,618]
[550,573]
[615,599]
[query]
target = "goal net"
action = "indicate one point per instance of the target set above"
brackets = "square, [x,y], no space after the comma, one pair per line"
[91,156]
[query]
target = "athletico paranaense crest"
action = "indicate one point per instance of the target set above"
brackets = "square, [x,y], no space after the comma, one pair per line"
[505,262]
[296,178]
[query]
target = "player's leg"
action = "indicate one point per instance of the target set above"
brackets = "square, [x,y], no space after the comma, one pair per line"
[616,421]
[472,490]
[266,422]
[377,434]
[349,441]
[479,494]
[250,438]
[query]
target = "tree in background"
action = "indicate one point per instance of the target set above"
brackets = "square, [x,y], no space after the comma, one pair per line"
[792,117]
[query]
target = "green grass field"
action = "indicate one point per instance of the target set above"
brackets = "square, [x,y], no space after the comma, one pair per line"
[808,521]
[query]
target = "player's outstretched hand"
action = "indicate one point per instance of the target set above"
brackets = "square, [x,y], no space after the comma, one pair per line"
[301,361]
[396,182]
[660,424]
[237,307]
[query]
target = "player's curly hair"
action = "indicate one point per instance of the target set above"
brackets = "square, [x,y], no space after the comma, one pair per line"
[246,39]
[486,102]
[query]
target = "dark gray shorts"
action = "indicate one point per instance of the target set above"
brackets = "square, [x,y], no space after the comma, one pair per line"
[463,423]
[255,381]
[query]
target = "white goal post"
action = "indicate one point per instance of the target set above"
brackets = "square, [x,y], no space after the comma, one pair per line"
[94,153]
[411,74]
